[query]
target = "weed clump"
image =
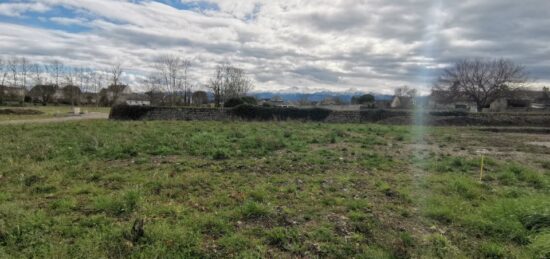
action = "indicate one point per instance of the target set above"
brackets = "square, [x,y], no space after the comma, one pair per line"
[118,206]
[254,210]
[281,237]
[220,154]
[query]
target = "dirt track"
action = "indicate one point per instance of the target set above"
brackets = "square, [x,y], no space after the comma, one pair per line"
[89,116]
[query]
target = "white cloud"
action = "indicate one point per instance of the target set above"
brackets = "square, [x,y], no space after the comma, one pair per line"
[16,9]
[302,44]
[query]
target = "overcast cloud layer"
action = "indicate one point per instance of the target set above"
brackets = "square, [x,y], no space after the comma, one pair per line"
[284,44]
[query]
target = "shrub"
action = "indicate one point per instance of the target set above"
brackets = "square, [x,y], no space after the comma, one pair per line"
[236,101]
[380,114]
[281,237]
[118,206]
[492,250]
[254,210]
[250,112]
[541,245]
[449,113]
[249,100]
[232,102]
[220,154]
[126,112]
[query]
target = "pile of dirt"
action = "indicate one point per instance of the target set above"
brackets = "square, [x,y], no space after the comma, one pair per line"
[20,112]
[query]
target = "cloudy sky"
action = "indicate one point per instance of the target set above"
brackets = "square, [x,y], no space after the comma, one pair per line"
[367,45]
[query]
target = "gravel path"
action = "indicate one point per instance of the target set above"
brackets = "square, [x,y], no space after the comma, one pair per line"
[89,116]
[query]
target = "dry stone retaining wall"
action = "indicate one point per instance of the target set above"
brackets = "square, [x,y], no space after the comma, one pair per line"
[365,116]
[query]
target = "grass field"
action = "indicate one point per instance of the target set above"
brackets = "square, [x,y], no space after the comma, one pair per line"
[101,189]
[49,112]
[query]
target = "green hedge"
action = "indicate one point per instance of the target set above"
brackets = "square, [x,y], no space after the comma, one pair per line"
[236,101]
[126,112]
[449,113]
[251,112]
[381,114]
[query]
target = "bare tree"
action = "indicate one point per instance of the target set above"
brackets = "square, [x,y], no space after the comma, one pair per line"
[97,81]
[154,89]
[481,81]
[116,88]
[43,92]
[71,91]
[172,74]
[37,74]
[217,85]
[3,72]
[13,64]
[14,68]
[237,83]
[25,68]
[55,69]
[229,82]
[116,73]
[405,91]
[200,98]
[3,75]
[83,75]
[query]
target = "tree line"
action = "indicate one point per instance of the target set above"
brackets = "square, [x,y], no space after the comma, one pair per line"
[481,81]
[168,81]
[43,80]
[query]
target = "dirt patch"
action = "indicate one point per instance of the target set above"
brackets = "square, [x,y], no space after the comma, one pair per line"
[20,112]
[89,116]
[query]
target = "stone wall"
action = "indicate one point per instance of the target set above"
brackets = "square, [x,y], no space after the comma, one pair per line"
[199,114]
[344,117]
[365,116]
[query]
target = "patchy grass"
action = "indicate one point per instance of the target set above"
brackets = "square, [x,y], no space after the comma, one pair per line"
[270,189]
[47,111]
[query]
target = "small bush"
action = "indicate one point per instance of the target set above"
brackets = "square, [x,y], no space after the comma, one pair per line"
[236,101]
[118,206]
[220,154]
[536,221]
[541,245]
[380,114]
[126,112]
[29,181]
[254,210]
[233,102]
[449,113]
[492,250]
[441,247]
[281,237]
[249,100]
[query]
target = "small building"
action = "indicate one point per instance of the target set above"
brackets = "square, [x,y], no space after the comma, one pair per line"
[510,104]
[440,101]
